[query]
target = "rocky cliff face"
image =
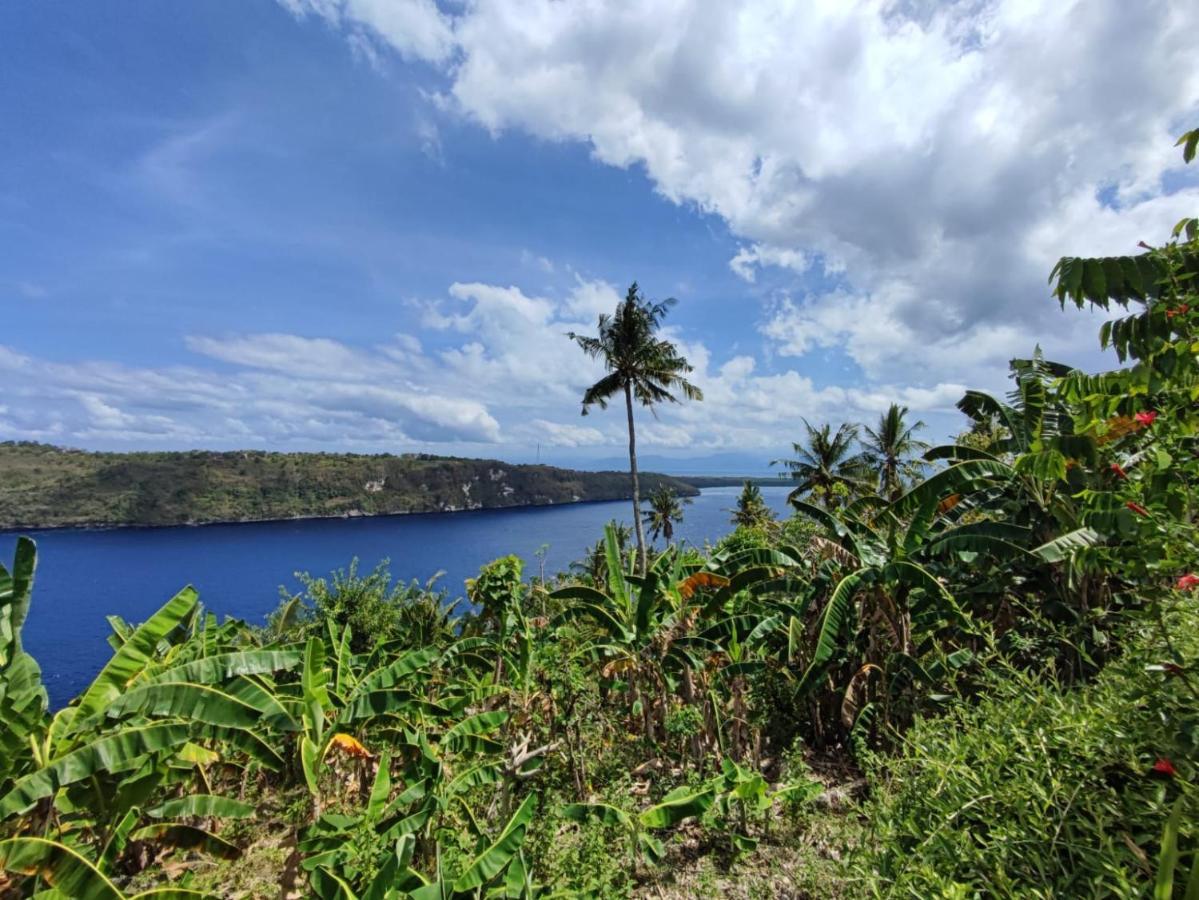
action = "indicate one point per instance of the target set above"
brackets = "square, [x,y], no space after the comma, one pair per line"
[43,486]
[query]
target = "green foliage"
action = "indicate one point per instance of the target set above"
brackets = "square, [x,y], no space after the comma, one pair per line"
[751,511]
[826,465]
[1034,792]
[665,511]
[47,486]
[375,609]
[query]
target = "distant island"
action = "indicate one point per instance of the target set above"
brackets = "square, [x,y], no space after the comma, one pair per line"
[44,486]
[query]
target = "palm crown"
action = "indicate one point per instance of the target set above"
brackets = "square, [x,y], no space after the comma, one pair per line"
[665,511]
[634,356]
[890,450]
[825,463]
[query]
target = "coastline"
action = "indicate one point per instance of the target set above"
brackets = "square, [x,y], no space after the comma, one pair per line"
[353,514]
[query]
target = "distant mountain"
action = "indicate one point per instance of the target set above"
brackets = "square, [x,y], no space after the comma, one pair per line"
[46,486]
[752,464]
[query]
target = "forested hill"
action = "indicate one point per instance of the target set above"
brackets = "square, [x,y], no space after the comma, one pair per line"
[47,486]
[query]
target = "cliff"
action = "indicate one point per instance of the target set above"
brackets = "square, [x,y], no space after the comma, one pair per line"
[46,486]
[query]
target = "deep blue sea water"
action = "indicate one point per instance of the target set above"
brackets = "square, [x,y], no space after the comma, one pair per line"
[85,575]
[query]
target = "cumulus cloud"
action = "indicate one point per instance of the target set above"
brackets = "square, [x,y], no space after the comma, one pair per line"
[284,390]
[415,28]
[925,162]
[496,370]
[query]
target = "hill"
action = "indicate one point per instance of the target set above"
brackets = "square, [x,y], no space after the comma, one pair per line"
[46,486]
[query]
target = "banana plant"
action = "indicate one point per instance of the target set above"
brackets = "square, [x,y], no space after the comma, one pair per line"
[146,728]
[640,624]
[680,804]
[336,696]
[742,794]
[338,869]
[70,874]
[23,700]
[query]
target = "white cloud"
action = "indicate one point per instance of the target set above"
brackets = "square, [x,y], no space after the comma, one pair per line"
[561,434]
[748,259]
[930,160]
[415,28]
[499,371]
[589,299]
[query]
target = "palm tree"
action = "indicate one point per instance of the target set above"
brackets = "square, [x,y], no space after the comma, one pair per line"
[826,466]
[751,511]
[665,511]
[594,566]
[890,450]
[640,365]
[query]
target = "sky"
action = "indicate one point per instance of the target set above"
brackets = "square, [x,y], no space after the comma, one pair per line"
[368,225]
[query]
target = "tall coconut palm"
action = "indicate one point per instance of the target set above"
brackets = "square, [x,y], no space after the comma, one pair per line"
[640,365]
[890,451]
[826,465]
[665,511]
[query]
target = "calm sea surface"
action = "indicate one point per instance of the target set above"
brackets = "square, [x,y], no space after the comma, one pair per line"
[238,569]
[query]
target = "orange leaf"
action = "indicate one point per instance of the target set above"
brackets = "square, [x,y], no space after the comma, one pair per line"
[690,585]
[350,746]
[948,503]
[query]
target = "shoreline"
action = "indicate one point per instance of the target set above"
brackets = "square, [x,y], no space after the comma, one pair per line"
[121,526]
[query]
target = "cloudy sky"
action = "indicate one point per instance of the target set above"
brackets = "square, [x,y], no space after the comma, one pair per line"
[368,224]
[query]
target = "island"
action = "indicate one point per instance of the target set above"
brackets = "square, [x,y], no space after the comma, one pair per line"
[45,486]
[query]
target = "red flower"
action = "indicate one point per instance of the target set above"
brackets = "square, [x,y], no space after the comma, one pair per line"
[1188,582]
[1119,470]
[1164,767]
[1137,508]
[1146,418]
[1179,310]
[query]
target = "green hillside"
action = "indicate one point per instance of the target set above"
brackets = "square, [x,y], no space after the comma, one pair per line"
[47,486]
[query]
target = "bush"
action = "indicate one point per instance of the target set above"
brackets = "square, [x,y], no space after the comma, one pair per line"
[1038,792]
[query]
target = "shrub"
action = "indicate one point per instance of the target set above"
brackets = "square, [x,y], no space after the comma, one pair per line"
[1038,792]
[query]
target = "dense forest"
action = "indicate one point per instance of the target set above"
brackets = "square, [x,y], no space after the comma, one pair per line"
[46,486]
[965,670]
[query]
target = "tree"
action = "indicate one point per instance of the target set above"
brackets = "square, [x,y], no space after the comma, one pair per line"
[594,566]
[751,511]
[640,365]
[890,449]
[826,466]
[665,511]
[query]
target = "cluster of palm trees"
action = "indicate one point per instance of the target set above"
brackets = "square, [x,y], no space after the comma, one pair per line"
[835,466]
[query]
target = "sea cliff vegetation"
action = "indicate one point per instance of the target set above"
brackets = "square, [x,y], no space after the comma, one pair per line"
[45,486]
[966,670]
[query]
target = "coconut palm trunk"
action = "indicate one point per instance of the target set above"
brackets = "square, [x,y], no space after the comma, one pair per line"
[628,401]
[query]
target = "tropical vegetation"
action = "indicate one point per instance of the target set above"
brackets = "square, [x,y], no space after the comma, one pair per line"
[976,680]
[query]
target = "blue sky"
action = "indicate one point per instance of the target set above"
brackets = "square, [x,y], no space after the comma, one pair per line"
[366,225]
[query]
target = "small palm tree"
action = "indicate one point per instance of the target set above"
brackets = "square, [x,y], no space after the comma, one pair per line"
[641,366]
[826,466]
[594,566]
[665,511]
[890,451]
[751,511]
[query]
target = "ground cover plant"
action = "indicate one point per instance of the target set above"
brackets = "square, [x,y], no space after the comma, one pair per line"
[966,670]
